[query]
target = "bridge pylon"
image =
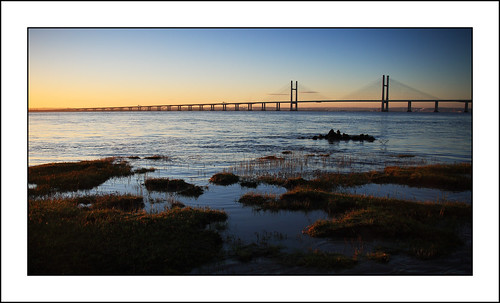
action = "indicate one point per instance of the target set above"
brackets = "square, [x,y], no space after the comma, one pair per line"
[385,94]
[293,104]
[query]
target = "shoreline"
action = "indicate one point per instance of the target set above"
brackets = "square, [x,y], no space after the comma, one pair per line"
[250,254]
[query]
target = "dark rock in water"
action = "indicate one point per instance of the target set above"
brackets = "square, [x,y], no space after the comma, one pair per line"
[336,136]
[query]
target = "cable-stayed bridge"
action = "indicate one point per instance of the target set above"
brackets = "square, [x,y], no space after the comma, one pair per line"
[274,101]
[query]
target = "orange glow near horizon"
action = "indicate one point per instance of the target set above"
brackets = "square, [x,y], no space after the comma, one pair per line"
[85,68]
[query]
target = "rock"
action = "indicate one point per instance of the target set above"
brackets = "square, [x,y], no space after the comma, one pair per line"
[336,136]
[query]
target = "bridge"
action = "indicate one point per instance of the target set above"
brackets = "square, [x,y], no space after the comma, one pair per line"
[293,102]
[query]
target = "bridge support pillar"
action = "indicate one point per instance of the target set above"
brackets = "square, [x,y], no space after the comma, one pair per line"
[278,105]
[224,107]
[466,110]
[263,107]
[249,106]
[169,107]
[236,107]
[385,94]
[179,107]
[212,107]
[409,107]
[293,104]
[436,107]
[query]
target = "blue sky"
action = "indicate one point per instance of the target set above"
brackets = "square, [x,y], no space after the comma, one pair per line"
[112,67]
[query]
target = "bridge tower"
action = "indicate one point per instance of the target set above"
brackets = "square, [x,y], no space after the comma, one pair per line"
[293,104]
[385,94]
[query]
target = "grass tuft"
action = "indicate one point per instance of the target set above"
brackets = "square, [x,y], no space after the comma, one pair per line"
[224,178]
[455,177]
[73,176]
[173,185]
[64,239]
[144,170]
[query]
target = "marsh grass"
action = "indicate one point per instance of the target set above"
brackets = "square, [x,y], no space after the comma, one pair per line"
[454,177]
[74,176]
[144,170]
[323,261]
[422,229]
[249,182]
[405,156]
[224,178]
[64,239]
[157,157]
[442,176]
[173,185]
[293,164]
[122,202]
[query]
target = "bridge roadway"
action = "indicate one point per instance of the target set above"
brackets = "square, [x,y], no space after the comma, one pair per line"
[263,105]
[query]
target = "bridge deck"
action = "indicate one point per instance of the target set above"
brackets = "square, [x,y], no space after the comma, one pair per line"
[237,104]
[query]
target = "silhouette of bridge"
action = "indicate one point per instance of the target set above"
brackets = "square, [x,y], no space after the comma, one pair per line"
[417,96]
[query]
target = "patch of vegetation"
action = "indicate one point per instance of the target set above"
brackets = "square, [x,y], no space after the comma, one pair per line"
[425,230]
[144,170]
[249,182]
[455,177]
[442,176]
[304,199]
[405,156]
[134,157]
[324,261]
[121,202]
[173,185]
[259,201]
[73,176]
[177,204]
[271,180]
[64,239]
[224,178]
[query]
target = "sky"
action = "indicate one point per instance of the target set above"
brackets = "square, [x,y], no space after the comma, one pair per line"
[91,67]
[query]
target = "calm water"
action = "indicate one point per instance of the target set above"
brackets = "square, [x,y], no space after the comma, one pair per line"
[224,138]
[200,144]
